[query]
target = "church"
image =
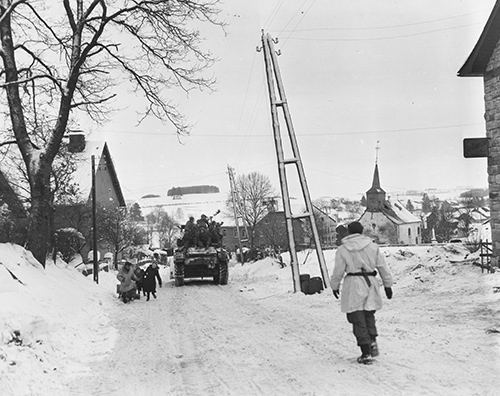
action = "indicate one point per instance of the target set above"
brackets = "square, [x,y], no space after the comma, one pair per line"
[387,221]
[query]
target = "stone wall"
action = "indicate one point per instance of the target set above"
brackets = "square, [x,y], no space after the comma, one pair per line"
[492,118]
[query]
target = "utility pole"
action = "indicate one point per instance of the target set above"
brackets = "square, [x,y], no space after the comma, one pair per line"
[278,100]
[236,207]
[94,225]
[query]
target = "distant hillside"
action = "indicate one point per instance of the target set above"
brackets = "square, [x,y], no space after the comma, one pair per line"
[203,189]
[150,196]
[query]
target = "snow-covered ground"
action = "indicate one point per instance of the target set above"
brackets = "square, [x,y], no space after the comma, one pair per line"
[53,323]
[438,335]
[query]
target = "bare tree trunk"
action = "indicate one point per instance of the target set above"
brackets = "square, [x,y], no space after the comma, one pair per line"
[40,217]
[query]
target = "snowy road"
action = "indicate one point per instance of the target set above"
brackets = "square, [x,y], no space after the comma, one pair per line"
[210,340]
[204,339]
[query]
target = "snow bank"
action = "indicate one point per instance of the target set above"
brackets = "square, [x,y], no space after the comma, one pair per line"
[440,334]
[411,267]
[52,322]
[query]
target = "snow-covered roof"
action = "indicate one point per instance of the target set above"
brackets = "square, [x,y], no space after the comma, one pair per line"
[397,213]
[83,173]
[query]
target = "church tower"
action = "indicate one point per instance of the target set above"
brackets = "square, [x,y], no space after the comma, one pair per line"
[375,196]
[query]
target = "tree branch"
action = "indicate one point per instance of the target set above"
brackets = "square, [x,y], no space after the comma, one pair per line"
[7,11]
[8,142]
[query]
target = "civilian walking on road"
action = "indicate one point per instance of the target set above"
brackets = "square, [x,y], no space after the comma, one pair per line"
[149,281]
[359,259]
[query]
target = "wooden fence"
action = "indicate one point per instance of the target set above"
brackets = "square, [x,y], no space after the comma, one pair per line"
[488,261]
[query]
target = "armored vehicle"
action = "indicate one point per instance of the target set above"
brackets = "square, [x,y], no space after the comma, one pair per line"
[201,262]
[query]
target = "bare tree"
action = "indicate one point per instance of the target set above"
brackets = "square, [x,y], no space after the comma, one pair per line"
[118,231]
[166,227]
[253,192]
[62,57]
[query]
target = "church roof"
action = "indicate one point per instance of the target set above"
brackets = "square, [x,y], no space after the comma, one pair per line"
[375,188]
[398,214]
[476,63]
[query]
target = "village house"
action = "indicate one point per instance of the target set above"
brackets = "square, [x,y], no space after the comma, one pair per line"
[326,226]
[386,221]
[484,61]
[271,231]
[77,214]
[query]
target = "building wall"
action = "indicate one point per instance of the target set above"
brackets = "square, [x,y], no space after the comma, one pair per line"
[230,237]
[410,234]
[326,228]
[271,231]
[377,225]
[492,118]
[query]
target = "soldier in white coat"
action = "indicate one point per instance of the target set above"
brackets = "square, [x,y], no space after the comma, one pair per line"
[357,261]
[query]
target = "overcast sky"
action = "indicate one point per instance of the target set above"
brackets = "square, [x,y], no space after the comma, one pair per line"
[355,72]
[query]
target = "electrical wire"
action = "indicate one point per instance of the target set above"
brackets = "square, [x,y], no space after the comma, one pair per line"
[317,134]
[384,37]
[273,14]
[387,27]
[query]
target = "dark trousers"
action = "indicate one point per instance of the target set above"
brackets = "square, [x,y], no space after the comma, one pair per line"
[363,326]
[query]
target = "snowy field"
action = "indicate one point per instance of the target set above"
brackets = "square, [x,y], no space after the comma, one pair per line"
[63,335]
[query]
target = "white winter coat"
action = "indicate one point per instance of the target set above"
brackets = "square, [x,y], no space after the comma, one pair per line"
[358,252]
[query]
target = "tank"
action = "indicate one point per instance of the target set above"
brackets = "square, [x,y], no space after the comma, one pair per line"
[201,262]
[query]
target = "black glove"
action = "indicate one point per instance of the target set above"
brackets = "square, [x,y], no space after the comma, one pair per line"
[336,294]
[388,292]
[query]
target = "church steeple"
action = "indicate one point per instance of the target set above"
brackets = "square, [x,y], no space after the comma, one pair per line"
[376,178]
[375,196]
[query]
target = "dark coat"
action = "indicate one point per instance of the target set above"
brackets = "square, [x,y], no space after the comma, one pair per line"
[149,280]
[139,274]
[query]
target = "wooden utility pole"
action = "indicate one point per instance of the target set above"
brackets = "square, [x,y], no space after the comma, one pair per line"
[278,100]
[94,226]
[236,207]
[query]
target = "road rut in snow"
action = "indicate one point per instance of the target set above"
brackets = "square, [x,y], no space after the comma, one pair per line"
[210,340]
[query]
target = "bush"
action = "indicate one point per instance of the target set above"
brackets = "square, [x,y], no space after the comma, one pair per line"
[69,242]
[11,229]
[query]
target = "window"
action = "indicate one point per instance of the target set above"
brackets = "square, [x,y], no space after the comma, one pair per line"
[374,226]
[409,232]
[418,230]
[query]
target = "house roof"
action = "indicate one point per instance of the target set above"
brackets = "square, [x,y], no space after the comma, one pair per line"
[398,214]
[323,212]
[83,173]
[476,63]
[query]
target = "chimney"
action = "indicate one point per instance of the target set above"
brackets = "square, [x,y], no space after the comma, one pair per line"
[76,141]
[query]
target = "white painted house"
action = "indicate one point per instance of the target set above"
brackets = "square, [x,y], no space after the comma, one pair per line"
[389,221]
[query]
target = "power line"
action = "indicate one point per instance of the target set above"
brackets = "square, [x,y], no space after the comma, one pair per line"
[304,13]
[387,27]
[294,15]
[317,134]
[246,90]
[384,37]
[273,13]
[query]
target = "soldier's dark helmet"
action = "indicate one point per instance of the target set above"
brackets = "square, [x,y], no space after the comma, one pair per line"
[191,218]
[203,216]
